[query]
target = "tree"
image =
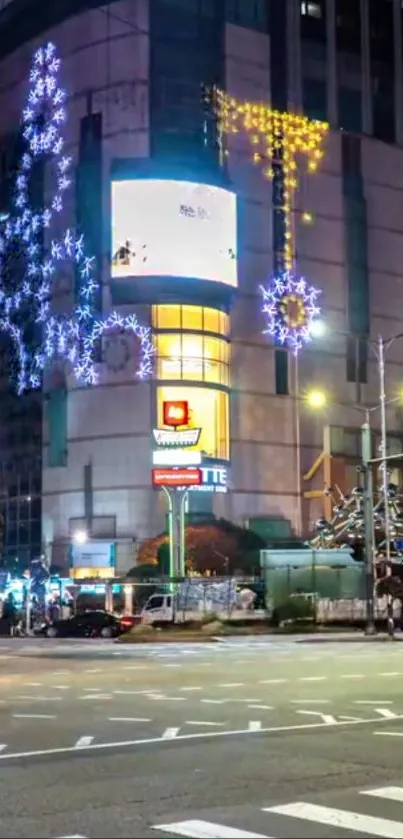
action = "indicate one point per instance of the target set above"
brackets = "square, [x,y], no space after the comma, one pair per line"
[218,547]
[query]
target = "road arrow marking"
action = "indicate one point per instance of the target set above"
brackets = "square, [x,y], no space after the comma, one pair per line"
[84,742]
[254,725]
[327,719]
[386,713]
[170,733]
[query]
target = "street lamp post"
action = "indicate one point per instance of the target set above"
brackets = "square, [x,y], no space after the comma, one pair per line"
[366,456]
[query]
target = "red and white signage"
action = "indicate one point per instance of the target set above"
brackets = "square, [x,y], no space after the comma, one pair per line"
[188,437]
[176,477]
[175,413]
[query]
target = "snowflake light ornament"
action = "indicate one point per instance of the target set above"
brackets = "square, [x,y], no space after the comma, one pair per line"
[290,305]
[33,264]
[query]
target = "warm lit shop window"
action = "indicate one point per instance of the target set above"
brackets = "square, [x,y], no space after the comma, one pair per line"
[194,357]
[209,410]
[194,318]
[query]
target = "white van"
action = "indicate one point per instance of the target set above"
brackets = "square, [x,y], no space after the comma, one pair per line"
[159,607]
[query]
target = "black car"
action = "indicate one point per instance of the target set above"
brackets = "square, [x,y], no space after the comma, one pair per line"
[91,624]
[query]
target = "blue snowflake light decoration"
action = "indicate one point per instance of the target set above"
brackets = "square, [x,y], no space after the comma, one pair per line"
[290,305]
[34,260]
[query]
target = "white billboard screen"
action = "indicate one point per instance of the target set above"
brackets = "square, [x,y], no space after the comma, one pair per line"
[164,228]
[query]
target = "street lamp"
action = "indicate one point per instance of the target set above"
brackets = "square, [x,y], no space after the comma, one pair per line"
[80,537]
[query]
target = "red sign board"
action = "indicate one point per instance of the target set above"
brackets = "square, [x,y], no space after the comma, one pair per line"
[176,477]
[175,413]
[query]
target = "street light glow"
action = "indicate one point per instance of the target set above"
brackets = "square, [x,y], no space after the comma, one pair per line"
[317,328]
[316,399]
[80,537]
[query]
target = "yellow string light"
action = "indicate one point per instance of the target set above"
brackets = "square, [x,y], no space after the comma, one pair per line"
[276,137]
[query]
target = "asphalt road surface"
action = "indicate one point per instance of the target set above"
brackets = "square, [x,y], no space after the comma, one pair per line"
[247,739]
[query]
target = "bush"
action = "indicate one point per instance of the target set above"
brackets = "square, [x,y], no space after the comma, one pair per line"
[294,609]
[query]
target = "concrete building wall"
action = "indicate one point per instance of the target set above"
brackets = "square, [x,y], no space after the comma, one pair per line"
[105,68]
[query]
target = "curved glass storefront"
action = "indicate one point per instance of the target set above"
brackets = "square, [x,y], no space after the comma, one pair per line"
[192,346]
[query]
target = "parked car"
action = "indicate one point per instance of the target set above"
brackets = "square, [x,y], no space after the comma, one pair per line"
[90,624]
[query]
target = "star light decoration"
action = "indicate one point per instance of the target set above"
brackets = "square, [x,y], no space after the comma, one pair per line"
[290,305]
[24,236]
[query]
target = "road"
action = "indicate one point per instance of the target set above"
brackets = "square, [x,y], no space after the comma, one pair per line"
[253,738]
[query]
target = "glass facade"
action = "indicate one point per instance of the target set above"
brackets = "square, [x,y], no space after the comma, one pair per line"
[193,357]
[197,318]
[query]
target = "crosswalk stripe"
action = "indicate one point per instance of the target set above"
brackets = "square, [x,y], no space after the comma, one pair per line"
[389,793]
[342,819]
[198,829]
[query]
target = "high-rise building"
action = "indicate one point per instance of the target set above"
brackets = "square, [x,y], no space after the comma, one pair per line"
[145,140]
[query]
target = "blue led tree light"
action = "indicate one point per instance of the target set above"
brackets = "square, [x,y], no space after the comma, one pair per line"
[34,264]
[290,305]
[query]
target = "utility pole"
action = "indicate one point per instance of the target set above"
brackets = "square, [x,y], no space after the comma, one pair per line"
[366,455]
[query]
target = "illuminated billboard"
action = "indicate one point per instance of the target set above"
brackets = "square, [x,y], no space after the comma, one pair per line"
[165,228]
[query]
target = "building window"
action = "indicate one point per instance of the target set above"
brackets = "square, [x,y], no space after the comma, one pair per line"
[350,112]
[348,27]
[208,410]
[314,96]
[193,318]
[192,356]
[252,14]
[281,372]
[311,9]
[313,21]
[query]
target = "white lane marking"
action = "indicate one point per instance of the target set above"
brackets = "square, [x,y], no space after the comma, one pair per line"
[34,716]
[170,733]
[328,719]
[213,701]
[122,744]
[93,690]
[272,681]
[388,793]
[386,675]
[171,665]
[191,688]
[161,697]
[73,836]
[136,666]
[93,670]
[312,679]
[341,819]
[83,742]
[231,685]
[61,687]
[198,829]
[388,733]
[352,676]
[33,684]
[254,725]
[34,698]
[262,707]
[373,701]
[129,719]
[386,713]
[203,722]
[310,701]
[61,672]
[132,692]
